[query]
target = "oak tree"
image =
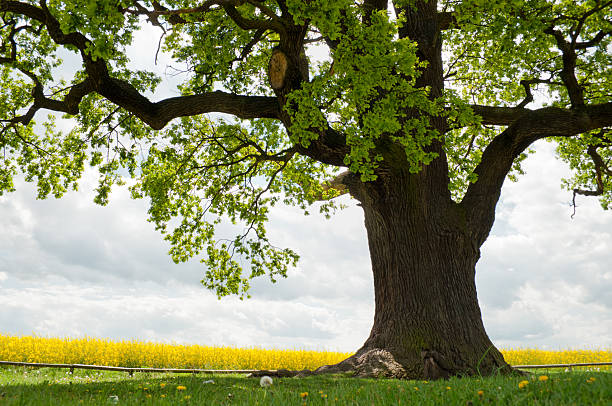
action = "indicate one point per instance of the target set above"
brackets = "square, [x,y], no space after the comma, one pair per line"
[419,109]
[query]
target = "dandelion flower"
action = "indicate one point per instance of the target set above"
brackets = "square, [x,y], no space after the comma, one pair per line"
[480,393]
[522,384]
[265,381]
[181,387]
[304,394]
[543,378]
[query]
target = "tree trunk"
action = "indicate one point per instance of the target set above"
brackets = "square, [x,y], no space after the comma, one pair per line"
[427,321]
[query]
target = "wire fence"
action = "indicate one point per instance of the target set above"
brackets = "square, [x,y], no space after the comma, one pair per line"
[258,372]
[72,367]
[569,366]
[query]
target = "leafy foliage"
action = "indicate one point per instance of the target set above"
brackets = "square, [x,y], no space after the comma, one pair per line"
[366,102]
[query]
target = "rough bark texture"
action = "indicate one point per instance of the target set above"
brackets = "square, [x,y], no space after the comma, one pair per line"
[427,322]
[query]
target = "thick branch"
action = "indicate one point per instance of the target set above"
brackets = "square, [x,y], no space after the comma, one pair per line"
[568,74]
[593,42]
[123,94]
[175,16]
[157,115]
[499,115]
[482,196]
[330,148]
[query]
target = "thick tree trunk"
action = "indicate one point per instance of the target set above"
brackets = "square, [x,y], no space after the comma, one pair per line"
[427,321]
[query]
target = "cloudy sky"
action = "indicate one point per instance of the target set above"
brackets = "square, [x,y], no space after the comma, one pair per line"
[71,268]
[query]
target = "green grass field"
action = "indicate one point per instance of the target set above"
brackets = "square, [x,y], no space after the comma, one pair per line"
[25,386]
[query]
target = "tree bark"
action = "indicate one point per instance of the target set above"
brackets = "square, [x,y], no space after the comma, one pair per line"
[427,321]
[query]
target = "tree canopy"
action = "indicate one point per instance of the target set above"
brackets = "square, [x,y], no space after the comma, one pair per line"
[313,96]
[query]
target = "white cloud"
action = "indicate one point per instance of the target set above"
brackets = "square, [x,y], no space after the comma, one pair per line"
[70,268]
[544,278]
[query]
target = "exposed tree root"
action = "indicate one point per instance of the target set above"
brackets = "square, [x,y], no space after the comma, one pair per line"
[373,363]
[380,363]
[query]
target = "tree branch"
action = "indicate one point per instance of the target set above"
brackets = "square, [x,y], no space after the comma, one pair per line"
[499,115]
[123,94]
[568,74]
[175,16]
[497,159]
[600,169]
[594,41]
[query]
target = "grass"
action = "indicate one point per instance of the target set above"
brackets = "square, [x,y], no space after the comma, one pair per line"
[26,386]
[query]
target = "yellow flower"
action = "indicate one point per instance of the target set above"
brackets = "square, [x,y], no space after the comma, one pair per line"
[480,393]
[543,378]
[591,380]
[162,385]
[415,388]
[181,387]
[188,397]
[303,394]
[163,396]
[448,388]
[522,384]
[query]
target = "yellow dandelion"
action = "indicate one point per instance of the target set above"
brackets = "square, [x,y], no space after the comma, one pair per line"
[188,397]
[543,378]
[163,396]
[181,387]
[162,385]
[448,388]
[522,384]
[415,388]
[480,393]
[304,394]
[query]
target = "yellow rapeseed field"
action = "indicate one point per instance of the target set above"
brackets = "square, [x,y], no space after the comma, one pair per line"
[96,351]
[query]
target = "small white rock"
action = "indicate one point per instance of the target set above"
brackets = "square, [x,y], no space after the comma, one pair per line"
[265,381]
